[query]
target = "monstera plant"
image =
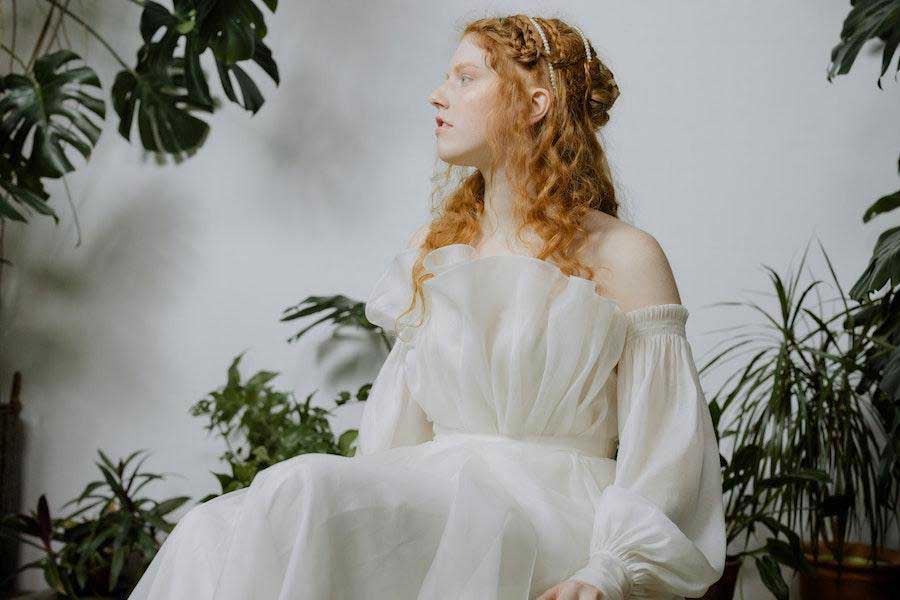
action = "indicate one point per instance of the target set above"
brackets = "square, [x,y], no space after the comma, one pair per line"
[53,105]
[58,98]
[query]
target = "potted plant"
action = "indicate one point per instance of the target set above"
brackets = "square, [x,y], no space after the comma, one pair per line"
[268,425]
[812,421]
[104,555]
[845,378]
[747,512]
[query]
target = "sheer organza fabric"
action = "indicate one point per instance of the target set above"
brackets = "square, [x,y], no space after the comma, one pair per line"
[486,464]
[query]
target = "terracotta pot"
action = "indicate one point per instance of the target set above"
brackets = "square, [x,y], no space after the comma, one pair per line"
[858,578]
[723,589]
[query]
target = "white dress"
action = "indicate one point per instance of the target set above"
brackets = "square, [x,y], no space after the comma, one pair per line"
[485,467]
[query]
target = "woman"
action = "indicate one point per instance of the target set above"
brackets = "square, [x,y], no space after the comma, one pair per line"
[535,431]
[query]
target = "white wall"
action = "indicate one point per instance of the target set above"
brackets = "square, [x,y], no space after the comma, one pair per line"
[729,145]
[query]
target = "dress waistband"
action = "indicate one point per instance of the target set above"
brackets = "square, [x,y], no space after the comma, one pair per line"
[593,447]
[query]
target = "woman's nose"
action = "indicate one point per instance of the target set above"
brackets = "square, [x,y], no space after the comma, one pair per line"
[435,99]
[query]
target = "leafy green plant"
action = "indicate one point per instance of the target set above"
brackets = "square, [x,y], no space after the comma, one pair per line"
[268,425]
[881,316]
[43,103]
[749,513]
[160,94]
[101,555]
[834,388]
[868,19]
[810,439]
[343,312]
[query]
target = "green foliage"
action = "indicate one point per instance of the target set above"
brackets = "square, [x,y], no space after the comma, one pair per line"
[868,19]
[812,446]
[880,314]
[270,425]
[342,312]
[164,87]
[101,555]
[53,103]
[796,388]
[161,93]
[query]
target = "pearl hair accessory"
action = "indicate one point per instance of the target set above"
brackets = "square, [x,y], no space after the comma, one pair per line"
[587,47]
[546,51]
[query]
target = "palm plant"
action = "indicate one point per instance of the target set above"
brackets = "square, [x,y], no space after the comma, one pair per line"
[750,514]
[104,554]
[340,311]
[811,421]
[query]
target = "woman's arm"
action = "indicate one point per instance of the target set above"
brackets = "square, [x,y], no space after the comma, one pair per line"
[658,529]
[391,416]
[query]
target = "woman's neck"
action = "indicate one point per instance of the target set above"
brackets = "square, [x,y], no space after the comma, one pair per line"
[498,222]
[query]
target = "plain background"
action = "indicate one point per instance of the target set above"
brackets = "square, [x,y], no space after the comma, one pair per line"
[728,144]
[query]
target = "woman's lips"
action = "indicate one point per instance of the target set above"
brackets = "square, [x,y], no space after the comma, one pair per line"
[442,125]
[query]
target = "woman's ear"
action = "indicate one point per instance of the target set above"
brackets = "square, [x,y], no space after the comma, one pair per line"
[540,103]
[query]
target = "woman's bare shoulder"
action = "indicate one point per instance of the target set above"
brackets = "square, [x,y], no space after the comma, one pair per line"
[629,263]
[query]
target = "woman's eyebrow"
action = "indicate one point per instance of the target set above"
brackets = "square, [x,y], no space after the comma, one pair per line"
[459,66]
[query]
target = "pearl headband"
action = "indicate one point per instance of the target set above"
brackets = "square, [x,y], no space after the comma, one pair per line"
[587,47]
[587,50]
[547,52]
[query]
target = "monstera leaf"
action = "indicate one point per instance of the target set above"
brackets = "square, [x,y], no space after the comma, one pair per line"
[231,27]
[159,100]
[52,102]
[17,183]
[164,88]
[161,94]
[39,103]
[252,99]
[884,266]
[868,19]
[234,31]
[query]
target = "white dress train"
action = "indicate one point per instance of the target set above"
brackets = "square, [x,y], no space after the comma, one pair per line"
[487,465]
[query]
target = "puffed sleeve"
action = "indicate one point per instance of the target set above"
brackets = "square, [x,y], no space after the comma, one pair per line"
[391,416]
[659,528]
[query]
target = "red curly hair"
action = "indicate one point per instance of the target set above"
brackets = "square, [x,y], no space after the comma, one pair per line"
[559,156]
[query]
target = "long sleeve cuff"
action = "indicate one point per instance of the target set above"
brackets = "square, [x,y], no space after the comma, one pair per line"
[608,574]
[638,552]
[659,527]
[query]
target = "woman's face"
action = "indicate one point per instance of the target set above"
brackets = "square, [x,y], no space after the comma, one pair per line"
[463,101]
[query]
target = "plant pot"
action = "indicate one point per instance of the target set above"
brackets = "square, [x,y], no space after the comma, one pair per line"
[723,589]
[858,578]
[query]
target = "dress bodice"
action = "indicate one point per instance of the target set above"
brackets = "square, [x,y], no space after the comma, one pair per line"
[509,344]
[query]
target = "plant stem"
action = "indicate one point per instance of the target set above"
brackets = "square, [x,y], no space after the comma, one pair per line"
[59,23]
[90,30]
[15,28]
[37,46]
[14,56]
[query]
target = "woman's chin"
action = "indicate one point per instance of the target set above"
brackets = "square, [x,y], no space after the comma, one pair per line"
[457,159]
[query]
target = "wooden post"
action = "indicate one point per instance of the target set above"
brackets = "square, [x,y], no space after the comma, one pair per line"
[11,444]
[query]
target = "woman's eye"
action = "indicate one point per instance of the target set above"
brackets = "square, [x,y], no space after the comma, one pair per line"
[462,77]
